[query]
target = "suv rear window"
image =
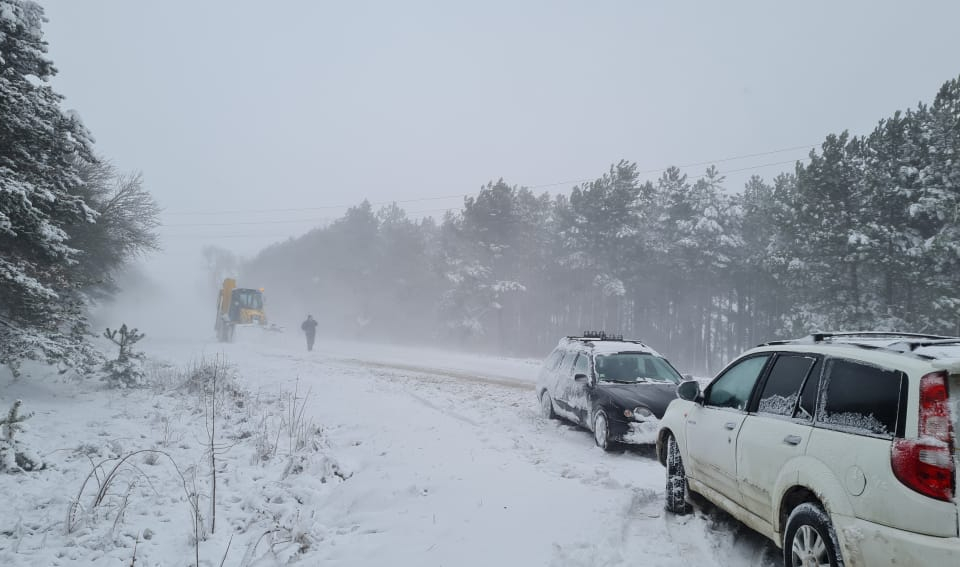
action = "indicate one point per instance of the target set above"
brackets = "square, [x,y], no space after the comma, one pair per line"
[861,399]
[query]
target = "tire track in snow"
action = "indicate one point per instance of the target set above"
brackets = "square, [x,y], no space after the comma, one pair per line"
[462,376]
[708,537]
[641,519]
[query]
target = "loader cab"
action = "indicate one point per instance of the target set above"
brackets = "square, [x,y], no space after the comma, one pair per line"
[247,298]
[246,306]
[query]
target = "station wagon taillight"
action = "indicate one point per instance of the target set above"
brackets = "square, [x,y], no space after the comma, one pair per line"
[925,464]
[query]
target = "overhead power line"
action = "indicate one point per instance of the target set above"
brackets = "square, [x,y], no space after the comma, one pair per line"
[409,213]
[294,221]
[461,195]
[689,165]
[317,208]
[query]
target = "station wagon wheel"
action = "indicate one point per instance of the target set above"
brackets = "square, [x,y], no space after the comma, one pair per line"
[546,406]
[601,431]
[809,540]
[676,496]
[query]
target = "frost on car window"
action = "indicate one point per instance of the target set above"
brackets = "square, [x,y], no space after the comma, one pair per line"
[860,398]
[856,423]
[782,387]
[780,405]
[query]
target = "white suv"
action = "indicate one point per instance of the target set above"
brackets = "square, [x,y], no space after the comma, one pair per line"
[839,447]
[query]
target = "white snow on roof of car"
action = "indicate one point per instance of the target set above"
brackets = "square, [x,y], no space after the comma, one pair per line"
[609,347]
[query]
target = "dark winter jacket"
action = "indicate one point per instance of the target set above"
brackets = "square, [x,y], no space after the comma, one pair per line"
[309,326]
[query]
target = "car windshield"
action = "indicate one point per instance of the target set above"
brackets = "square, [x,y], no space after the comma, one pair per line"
[634,367]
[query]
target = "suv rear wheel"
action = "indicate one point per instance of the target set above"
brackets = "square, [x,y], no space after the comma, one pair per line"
[809,539]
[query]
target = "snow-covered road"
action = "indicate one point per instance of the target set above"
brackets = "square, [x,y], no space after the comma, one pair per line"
[425,458]
[452,465]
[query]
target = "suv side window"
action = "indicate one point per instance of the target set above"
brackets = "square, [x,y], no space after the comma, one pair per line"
[861,399]
[781,391]
[582,365]
[733,388]
[808,397]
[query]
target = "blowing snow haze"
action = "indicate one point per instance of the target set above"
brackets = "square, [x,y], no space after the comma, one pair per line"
[254,126]
[527,234]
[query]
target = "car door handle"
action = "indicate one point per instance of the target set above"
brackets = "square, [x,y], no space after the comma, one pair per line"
[792,439]
[730,425]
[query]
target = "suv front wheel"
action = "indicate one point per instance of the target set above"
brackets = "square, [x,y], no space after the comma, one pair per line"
[810,539]
[676,496]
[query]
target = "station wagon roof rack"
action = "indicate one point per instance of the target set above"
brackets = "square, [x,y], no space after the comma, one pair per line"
[601,335]
[590,336]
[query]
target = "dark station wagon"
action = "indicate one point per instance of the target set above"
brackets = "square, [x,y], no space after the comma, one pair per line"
[616,388]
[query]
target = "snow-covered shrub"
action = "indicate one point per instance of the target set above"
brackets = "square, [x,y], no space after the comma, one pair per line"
[203,376]
[14,457]
[318,465]
[126,371]
[265,442]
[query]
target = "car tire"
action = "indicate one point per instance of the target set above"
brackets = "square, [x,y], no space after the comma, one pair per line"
[809,538]
[601,431]
[546,406]
[676,496]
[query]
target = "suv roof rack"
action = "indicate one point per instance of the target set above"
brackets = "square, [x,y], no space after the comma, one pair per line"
[907,344]
[820,337]
[914,344]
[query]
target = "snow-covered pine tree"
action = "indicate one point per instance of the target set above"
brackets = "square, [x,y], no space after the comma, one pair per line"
[939,205]
[757,291]
[598,231]
[828,261]
[40,149]
[490,256]
[893,240]
[126,371]
[405,283]
[14,457]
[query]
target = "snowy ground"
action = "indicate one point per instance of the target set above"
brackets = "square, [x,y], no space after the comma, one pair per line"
[421,458]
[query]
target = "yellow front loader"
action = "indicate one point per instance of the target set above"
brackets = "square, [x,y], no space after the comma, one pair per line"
[237,306]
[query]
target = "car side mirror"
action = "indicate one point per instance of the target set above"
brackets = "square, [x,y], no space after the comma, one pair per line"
[689,391]
[580,378]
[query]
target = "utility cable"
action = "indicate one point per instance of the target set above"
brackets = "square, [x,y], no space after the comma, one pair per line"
[461,195]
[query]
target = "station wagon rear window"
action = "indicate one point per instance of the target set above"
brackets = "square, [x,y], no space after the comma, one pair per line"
[861,399]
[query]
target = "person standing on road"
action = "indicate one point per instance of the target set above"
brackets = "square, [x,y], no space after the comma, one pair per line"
[310,328]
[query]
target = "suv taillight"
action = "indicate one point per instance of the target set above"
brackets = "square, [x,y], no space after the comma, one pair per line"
[925,464]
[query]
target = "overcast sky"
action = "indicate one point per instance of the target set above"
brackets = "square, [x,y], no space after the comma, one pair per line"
[231,105]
